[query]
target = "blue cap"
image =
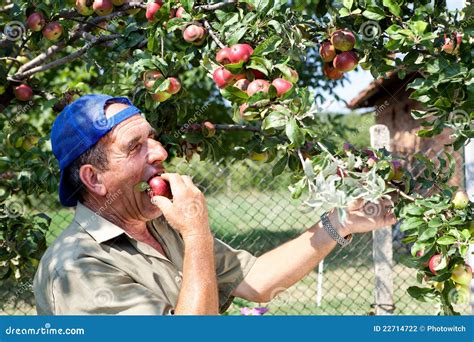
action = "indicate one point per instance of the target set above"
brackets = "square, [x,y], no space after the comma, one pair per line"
[79,127]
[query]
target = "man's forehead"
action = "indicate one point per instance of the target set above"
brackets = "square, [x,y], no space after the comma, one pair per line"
[125,128]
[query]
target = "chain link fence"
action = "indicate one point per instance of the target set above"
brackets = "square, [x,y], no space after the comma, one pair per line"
[252,210]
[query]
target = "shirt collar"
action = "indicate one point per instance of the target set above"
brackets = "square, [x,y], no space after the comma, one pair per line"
[97,226]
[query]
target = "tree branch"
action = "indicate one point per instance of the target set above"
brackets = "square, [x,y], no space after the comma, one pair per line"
[65,59]
[216,6]
[232,127]
[213,35]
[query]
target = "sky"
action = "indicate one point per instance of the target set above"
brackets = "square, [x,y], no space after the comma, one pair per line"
[360,79]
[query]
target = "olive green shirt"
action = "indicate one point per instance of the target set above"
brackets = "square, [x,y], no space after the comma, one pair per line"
[94,267]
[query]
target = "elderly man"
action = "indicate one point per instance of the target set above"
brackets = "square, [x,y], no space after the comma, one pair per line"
[125,253]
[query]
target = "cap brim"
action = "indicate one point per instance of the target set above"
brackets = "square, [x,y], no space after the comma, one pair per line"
[67,193]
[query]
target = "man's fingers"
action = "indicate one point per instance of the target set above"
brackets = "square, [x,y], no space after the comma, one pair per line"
[162,202]
[176,182]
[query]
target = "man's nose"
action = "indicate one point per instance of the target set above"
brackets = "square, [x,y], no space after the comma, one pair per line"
[156,152]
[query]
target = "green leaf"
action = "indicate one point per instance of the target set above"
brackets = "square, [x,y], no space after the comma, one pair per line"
[237,35]
[279,166]
[418,27]
[374,13]
[348,3]
[267,46]
[446,240]
[294,132]
[274,120]
[428,233]
[393,7]
[419,292]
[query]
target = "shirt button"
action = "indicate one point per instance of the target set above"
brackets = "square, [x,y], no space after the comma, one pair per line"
[178,279]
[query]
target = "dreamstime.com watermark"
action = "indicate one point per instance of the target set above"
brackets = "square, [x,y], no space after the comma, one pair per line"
[46,330]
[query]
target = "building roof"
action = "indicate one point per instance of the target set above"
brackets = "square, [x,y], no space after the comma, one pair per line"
[381,89]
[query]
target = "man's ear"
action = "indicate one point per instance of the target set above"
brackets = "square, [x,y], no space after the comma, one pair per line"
[91,179]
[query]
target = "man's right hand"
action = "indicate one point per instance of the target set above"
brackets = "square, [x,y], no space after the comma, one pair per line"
[187,212]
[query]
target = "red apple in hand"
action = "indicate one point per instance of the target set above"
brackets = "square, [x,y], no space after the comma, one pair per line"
[102,7]
[240,53]
[36,21]
[160,187]
[331,72]
[282,86]
[150,76]
[343,40]
[152,8]
[83,9]
[346,61]
[222,77]
[23,92]
[258,86]
[194,34]
[53,31]
[327,52]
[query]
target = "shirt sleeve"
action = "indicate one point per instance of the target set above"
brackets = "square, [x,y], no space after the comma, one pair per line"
[93,287]
[232,266]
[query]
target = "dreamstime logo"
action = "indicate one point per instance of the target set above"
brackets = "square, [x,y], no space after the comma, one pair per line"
[372,209]
[193,209]
[12,209]
[103,296]
[14,30]
[370,30]
[458,118]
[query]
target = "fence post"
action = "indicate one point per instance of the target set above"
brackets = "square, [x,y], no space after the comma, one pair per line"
[469,177]
[382,242]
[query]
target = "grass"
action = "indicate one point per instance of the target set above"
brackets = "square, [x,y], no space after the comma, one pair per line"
[259,221]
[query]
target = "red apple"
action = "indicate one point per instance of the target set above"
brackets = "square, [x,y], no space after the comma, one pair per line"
[222,56]
[346,61]
[242,84]
[240,53]
[462,274]
[102,7]
[179,12]
[175,86]
[343,40]
[327,52]
[222,77]
[194,34]
[331,72]
[152,8]
[208,129]
[436,263]
[258,74]
[460,200]
[23,92]
[83,9]
[258,86]
[282,86]
[293,78]
[35,21]
[53,31]
[150,76]
[160,187]
[160,96]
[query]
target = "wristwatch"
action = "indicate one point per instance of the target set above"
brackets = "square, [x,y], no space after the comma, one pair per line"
[328,227]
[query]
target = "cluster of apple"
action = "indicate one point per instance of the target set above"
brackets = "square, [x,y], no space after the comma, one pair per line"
[241,53]
[51,31]
[155,6]
[99,7]
[149,79]
[338,54]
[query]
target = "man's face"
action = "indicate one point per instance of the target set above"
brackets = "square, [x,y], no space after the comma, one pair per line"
[133,156]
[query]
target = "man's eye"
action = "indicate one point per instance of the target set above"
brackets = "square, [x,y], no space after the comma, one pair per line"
[135,147]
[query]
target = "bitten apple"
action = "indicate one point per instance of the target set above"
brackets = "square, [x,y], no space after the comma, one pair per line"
[160,187]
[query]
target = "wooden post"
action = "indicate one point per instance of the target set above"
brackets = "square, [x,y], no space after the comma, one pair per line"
[469,176]
[382,242]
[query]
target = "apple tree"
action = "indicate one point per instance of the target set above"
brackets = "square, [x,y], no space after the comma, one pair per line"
[245,79]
